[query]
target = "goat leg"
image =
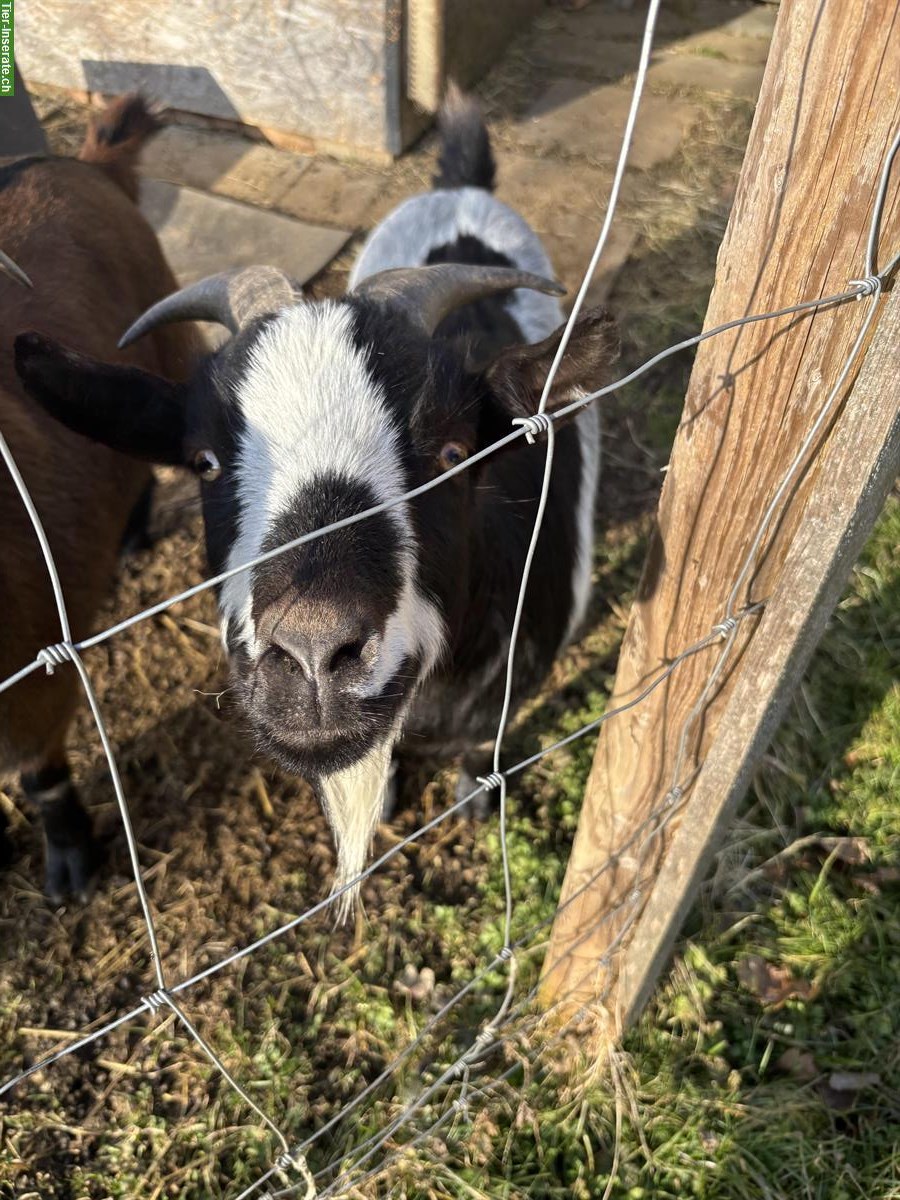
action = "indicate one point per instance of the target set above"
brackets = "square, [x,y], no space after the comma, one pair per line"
[139,534]
[71,853]
[6,847]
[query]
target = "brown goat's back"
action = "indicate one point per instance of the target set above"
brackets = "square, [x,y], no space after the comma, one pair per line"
[96,265]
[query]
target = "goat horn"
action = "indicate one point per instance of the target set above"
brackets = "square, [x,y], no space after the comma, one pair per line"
[428,294]
[232,298]
[8,267]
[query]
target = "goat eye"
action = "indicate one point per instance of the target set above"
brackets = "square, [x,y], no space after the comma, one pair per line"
[452,455]
[207,466]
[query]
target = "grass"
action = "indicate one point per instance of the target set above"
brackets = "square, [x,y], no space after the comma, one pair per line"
[725,1087]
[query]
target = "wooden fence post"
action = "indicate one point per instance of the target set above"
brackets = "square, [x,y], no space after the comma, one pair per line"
[828,110]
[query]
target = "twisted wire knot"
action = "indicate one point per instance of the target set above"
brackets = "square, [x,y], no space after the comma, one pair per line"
[869,285]
[725,626]
[489,782]
[54,656]
[539,423]
[635,895]
[296,1161]
[461,1106]
[506,953]
[484,1039]
[156,1000]
[672,796]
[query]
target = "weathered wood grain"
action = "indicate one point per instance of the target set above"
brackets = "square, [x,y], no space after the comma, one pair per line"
[829,106]
[320,68]
[859,467]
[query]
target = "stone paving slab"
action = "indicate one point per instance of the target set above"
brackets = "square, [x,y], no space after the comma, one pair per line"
[573,119]
[571,244]
[312,189]
[757,22]
[562,51]
[721,44]
[538,186]
[202,234]
[604,20]
[693,73]
[337,192]
[223,163]
[565,204]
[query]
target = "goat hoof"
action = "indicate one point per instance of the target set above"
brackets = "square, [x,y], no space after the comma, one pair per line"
[69,872]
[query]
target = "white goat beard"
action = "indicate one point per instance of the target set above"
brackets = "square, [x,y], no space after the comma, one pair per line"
[353,800]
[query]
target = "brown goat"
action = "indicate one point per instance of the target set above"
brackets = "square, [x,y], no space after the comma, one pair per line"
[95,264]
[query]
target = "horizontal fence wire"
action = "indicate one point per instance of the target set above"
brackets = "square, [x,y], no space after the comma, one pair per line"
[857,290]
[511,1019]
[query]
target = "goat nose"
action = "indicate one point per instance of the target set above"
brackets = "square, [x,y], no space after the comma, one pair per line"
[337,652]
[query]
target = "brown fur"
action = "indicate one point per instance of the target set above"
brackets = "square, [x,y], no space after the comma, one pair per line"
[115,138]
[96,265]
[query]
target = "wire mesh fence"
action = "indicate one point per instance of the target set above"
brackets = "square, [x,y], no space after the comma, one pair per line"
[501,1047]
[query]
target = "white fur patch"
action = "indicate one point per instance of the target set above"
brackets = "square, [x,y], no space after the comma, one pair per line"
[353,800]
[311,407]
[411,614]
[588,425]
[407,236]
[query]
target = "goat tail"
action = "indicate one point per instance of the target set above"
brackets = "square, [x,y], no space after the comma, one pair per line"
[466,158]
[115,138]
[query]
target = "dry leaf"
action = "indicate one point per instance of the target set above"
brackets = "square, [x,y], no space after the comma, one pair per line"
[771,983]
[799,1063]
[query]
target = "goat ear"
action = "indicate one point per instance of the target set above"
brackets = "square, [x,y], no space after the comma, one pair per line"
[125,408]
[517,376]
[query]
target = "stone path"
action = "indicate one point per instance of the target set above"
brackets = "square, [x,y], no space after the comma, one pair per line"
[556,106]
[203,233]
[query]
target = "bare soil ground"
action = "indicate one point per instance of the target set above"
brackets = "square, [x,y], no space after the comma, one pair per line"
[231,847]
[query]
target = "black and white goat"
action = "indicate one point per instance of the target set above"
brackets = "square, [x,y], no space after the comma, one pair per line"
[394,630]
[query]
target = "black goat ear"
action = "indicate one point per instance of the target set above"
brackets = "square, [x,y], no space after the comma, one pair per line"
[517,376]
[125,408]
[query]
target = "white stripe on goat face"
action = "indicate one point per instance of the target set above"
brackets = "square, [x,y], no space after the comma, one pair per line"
[310,407]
